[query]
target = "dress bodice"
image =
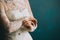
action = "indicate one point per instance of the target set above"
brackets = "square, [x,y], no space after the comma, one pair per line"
[16,12]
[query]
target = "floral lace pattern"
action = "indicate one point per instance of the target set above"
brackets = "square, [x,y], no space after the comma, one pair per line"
[16,4]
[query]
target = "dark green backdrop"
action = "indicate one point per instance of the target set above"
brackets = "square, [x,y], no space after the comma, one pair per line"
[47,12]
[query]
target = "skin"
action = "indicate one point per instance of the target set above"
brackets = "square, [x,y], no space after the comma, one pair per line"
[11,25]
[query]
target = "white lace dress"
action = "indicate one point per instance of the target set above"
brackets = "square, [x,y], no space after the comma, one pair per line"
[15,14]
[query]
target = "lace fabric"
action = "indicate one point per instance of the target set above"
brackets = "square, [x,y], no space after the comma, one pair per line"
[19,11]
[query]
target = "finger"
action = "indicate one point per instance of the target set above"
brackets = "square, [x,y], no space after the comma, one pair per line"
[3,16]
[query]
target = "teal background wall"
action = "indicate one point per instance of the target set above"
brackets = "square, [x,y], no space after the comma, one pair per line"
[47,12]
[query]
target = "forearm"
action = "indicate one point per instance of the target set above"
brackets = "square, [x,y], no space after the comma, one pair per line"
[3,15]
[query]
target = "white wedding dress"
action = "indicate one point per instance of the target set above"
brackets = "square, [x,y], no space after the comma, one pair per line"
[15,15]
